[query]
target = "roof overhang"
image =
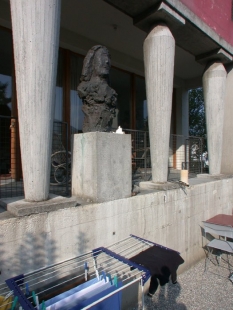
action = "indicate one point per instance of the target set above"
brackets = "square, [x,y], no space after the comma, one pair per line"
[190,33]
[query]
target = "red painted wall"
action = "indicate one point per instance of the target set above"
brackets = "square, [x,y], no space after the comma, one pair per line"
[217,14]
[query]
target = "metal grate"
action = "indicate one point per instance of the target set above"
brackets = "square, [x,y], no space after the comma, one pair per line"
[60,177]
[11,178]
[184,153]
[141,164]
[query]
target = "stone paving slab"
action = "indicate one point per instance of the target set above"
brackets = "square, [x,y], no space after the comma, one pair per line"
[196,290]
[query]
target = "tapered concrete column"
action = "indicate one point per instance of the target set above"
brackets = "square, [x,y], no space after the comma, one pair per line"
[159,52]
[214,82]
[35,25]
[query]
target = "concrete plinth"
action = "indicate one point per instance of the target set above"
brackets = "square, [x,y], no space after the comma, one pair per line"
[35,26]
[159,51]
[214,82]
[18,206]
[148,185]
[101,166]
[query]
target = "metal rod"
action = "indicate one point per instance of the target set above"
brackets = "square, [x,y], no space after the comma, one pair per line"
[59,263]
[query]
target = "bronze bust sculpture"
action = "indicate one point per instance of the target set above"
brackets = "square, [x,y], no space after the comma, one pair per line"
[99,99]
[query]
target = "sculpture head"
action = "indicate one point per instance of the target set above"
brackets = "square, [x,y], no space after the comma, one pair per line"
[96,63]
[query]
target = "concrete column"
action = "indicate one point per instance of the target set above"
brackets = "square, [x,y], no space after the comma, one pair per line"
[35,27]
[227,146]
[159,51]
[214,82]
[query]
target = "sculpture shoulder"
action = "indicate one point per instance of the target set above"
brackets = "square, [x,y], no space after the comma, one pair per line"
[97,91]
[83,89]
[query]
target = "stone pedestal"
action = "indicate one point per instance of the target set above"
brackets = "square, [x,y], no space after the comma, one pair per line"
[101,166]
[214,82]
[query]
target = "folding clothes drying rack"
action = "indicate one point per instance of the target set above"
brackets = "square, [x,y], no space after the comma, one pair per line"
[32,288]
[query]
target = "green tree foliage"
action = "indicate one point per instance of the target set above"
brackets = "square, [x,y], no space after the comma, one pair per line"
[197,122]
[3,99]
[4,109]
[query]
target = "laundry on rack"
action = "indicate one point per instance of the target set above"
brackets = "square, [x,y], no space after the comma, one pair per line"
[69,285]
[113,302]
[161,262]
[83,294]
[49,294]
[70,292]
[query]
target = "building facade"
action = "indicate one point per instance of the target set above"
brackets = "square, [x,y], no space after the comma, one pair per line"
[199,34]
[159,50]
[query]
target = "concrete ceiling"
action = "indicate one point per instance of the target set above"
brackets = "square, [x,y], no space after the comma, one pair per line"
[102,23]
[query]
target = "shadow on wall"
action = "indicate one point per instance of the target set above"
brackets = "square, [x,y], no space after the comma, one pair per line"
[36,251]
[32,253]
[82,243]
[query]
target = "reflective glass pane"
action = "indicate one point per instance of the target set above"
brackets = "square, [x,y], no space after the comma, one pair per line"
[76,114]
[6,104]
[5,72]
[121,82]
[141,104]
[58,111]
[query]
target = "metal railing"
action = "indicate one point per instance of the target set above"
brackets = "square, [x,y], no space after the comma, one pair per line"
[141,163]
[184,153]
[11,177]
[60,176]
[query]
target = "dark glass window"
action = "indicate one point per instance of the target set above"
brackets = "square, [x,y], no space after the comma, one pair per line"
[58,110]
[141,104]
[120,81]
[6,59]
[76,114]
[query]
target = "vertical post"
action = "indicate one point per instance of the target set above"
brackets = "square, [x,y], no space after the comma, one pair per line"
[13,128]
[145,152]
[159,52]
[35,26]
[143,297]
[214,81]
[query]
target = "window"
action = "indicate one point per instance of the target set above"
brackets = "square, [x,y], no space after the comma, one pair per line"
[120,81]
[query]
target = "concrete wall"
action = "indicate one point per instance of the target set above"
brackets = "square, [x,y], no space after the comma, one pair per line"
[171,218]
[216,14]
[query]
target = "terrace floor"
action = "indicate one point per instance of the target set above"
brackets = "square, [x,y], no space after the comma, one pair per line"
[196,289]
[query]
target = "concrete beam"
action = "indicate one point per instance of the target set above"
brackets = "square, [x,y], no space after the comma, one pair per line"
[157,14]
[214,83]
[159,51]
[227,148]
[195,36]
[35,27]
[216,55]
